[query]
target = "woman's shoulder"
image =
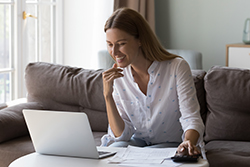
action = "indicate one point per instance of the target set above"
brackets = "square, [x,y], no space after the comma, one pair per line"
[174,61]
[176,64]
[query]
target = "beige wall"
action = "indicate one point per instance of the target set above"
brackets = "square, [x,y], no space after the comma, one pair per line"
[202,25]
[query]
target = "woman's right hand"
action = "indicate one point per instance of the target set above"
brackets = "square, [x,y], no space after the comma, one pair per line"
[116,123]
[108,78]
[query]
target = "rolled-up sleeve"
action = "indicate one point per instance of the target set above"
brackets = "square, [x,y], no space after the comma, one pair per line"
[128,129]
[188,102]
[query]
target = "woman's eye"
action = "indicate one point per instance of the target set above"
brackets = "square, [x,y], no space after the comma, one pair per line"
[122,44]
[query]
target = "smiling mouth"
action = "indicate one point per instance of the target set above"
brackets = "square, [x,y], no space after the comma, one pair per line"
[119,59]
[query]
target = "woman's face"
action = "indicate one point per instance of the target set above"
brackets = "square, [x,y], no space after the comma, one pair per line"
[123,47]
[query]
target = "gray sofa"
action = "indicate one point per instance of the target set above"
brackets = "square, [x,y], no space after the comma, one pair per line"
[223,94]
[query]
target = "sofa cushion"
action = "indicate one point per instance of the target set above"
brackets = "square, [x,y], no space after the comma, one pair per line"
[97,137]
[57,86]
[12,123]
[228,153]
[228,102]
[98,120]
[65,88]
[13,149]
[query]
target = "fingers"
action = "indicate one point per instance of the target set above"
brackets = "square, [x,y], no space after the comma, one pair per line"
[112,74]
[196,150]
[192,150]
[115,65]
[108,77]
[188,148]
[113,70]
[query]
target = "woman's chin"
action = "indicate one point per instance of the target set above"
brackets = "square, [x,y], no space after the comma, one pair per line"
[122,65]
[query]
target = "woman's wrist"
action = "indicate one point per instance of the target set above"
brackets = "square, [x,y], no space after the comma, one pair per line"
[192,136]
[108,97]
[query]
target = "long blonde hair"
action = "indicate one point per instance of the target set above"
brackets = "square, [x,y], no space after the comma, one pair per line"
[134,24]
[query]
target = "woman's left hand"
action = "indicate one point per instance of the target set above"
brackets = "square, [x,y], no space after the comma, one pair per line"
[192,149]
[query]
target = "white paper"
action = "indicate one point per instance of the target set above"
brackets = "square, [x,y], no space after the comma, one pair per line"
[142,155]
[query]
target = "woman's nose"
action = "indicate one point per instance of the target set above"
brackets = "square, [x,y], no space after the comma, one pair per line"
[115,50]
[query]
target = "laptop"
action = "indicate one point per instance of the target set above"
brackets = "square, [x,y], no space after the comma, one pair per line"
[62,133]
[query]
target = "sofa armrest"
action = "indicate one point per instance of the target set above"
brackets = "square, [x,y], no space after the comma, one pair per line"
[16,102]
[3,105]
[12,123]
[12,103]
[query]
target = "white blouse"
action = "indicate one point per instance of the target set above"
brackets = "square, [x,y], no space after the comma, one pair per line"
[169,109]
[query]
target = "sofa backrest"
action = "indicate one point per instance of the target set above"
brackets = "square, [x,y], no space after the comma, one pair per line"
[198,77]
[228,102]
[65,88]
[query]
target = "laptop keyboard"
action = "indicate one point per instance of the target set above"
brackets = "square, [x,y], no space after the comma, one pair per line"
[102,152]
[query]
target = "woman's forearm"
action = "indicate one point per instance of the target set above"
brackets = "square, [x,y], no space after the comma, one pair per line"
[192,135]
[116,123]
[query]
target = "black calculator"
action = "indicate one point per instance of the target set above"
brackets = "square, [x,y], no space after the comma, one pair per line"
[185,158]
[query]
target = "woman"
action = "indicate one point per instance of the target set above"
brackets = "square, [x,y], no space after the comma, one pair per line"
[149,93]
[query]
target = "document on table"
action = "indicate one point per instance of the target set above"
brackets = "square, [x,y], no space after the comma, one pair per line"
[142,155]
